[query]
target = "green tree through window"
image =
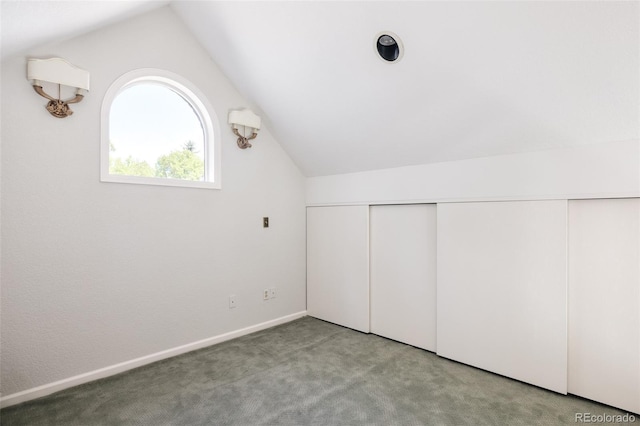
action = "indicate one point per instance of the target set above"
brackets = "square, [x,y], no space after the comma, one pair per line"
[180,164]
[183,164]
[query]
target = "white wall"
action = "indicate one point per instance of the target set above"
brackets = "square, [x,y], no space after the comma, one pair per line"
[95,274]
[597,171]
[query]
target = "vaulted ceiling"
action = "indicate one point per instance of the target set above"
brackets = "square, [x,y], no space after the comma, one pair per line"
[477,78]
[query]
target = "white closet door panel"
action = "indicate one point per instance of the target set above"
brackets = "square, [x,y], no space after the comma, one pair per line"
[403,273]
[338,265]
[502,288]
[604,301]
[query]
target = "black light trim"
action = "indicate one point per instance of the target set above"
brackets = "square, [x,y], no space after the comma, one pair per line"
[388,48]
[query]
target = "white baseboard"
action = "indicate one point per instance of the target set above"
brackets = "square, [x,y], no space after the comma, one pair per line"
[50,388]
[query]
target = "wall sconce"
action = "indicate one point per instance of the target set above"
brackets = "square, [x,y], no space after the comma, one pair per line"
[60,72]
[248,119]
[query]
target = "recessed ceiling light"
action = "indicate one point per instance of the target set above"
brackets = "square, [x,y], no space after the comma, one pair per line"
[389,46]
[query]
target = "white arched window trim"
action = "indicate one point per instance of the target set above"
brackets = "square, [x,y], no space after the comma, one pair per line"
[202,109]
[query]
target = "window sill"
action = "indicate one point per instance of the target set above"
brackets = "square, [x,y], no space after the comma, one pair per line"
[159,182]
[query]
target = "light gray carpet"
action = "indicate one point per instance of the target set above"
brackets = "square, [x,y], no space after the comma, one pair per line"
[307,372]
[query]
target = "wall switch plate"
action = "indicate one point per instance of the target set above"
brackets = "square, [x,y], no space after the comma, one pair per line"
[232,301]
[272,292]
[265,222]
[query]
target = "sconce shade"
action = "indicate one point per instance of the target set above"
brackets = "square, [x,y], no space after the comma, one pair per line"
[244,117]
[58,71]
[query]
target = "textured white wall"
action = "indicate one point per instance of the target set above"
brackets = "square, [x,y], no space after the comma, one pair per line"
[94,274]
[607,170]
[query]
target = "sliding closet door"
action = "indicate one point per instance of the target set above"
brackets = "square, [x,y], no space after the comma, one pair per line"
[403,273]
[604,301]
[502,288]
[338,265]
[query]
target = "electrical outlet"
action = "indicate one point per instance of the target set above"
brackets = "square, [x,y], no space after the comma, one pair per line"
[272,292]
[266,294]
[232,301]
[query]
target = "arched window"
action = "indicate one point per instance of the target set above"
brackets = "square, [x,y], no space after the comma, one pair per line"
[158,129]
